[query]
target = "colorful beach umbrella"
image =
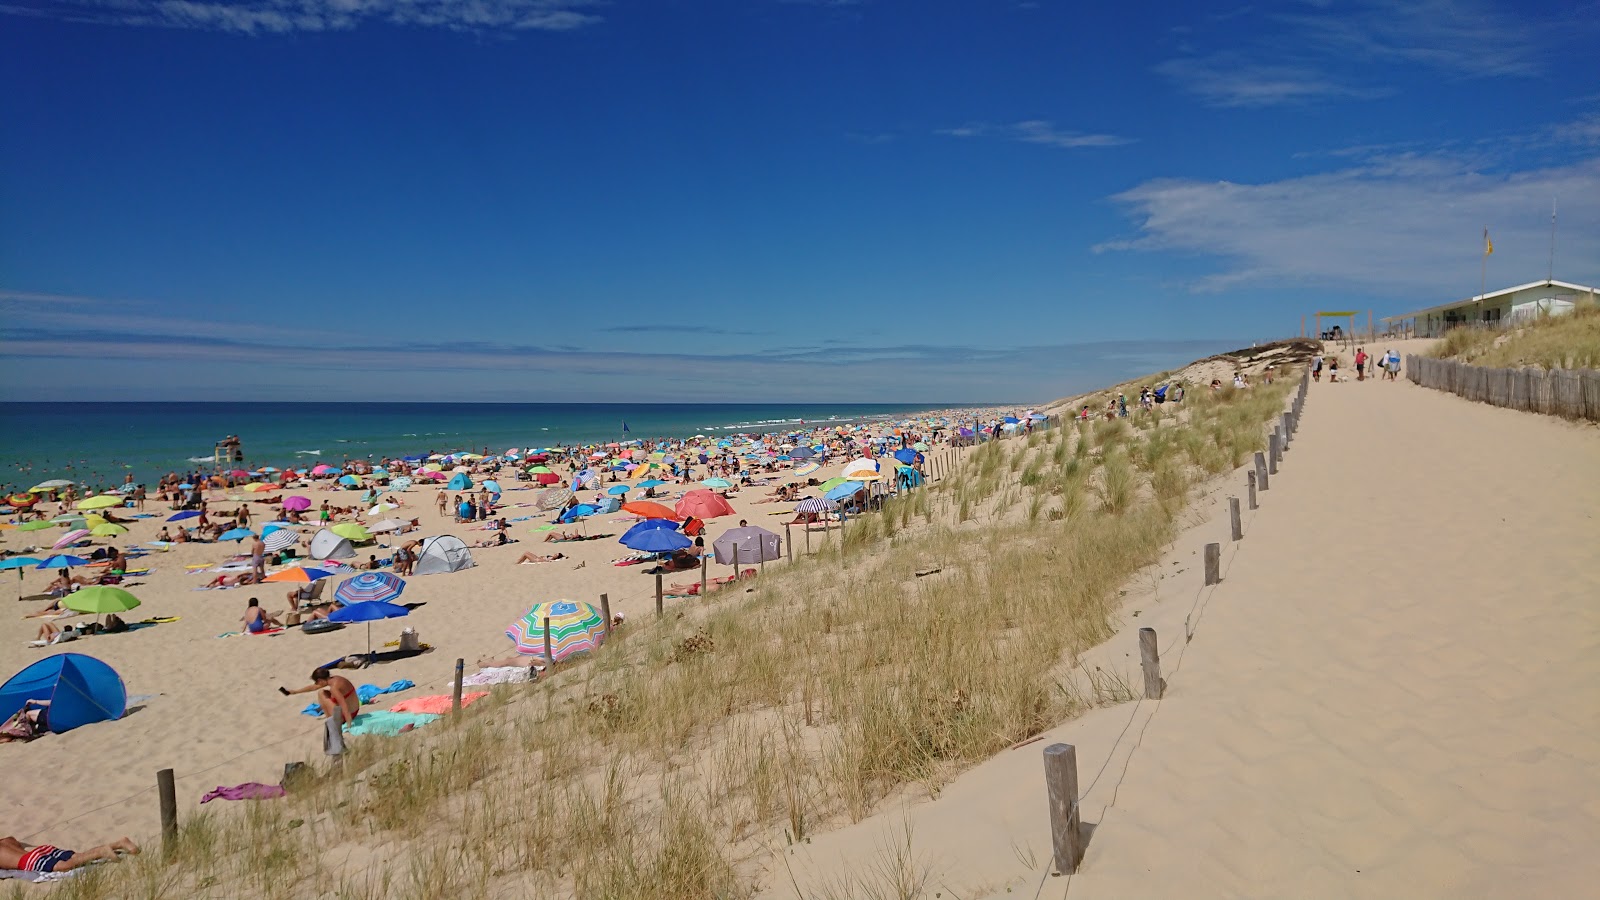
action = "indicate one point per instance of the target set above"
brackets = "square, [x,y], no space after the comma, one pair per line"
[575,627]
[61,561]
[236,534]
[401,483]
[186,514]
[22,501]
[34,526]
[298,575]
[71,537]
[298,504]
[370,587]
[807,469]
[814,505]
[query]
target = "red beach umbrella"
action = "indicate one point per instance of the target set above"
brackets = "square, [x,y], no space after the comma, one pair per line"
[704,504]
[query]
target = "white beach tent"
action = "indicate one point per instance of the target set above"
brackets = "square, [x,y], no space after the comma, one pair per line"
[445,553]
[327,545]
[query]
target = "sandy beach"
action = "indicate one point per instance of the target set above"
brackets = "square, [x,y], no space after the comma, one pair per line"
[1391,693]
[208,706]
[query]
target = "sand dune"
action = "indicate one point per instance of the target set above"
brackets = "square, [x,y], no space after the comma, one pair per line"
[1394,692]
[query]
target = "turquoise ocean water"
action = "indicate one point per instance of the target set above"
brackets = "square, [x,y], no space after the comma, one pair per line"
[97,443]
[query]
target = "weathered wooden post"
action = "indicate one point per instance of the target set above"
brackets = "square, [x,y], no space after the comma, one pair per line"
[1250,479]
[1287,430]
[605,610]
[166,786]
[736,561]
[549,655]
[1061,781]
[1234,520]
[1213,563]
[788,542]
[1261,471]
[1150,662]
[659,612]
[808,537]
[455,694]
[1274,447]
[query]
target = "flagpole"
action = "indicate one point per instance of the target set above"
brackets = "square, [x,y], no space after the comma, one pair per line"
[1551,275]
[1483,273]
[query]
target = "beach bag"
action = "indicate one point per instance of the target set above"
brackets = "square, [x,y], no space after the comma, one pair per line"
[410,641]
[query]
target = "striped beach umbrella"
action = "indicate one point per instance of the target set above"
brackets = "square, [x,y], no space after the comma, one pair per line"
[281,539]
[298,574]
[71,537]
[807,469]
[814,505]
[574,628]
[401,483]
[22,500]
[370,587]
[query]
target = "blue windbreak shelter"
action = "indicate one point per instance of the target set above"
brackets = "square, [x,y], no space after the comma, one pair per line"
[459,483]
[907,477]
[81,690]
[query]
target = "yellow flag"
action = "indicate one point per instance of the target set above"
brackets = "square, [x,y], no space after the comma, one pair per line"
[1488,245]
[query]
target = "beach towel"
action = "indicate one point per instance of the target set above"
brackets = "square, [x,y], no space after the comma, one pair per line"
[370,692]
[497,675]
[37,877]
[439,704]
[251,790]
[386,723]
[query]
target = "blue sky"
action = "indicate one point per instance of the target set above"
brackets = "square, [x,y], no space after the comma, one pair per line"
[573,200]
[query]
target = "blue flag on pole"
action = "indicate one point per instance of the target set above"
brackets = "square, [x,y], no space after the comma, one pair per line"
[624,426]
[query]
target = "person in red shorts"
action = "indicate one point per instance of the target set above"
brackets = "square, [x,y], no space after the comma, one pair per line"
[43,858]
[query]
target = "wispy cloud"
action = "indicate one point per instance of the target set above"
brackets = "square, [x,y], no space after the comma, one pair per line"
[1398,225]
[1323,51]
[673,328]
[284,16]
[48,353]
[1035,131]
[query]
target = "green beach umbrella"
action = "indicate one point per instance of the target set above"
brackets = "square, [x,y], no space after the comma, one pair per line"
[100,600]
[352,531]
[108,529]
[34,526]
[831,483]
[100,502]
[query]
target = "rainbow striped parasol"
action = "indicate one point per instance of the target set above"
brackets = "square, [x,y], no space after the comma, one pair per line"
[574,628]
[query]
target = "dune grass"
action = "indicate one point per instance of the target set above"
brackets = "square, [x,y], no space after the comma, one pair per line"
[1570,341]
[752,720]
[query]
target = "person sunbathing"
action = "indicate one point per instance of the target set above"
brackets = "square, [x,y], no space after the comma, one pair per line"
[44,858]
[500,539]
[531,557]
[227,581]
[51,633]
[32,720]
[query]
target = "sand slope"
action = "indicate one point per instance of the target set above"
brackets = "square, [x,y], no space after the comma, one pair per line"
[1394,692]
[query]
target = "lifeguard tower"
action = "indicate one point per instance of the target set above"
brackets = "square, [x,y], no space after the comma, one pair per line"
[228,450]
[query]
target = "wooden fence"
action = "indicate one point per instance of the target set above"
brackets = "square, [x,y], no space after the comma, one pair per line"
[1571,393]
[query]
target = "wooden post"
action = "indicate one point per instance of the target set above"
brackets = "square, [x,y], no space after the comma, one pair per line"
[1274,447]
[788,542]
[549,655]
[763,545]
[605,610]
[1286,428]
[1061,781]
[659,612]
[1250,478]
[1213,563]
[455,695]
[167,787]
[736,561]
[705,567]
[808,537]
[1233,518]
[1261,471]
[1150,662]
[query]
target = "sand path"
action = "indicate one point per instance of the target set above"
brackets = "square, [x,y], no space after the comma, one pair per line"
[1394,692]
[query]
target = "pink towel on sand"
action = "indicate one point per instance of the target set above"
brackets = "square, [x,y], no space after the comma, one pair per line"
[438,704]
[250,790]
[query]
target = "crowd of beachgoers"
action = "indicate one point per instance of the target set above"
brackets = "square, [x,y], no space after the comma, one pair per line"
[136,559]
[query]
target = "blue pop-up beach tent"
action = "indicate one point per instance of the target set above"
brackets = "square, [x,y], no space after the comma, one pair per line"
[80,689]
[459,483]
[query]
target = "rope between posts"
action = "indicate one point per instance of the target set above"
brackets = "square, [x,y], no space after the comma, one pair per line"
[1191,627]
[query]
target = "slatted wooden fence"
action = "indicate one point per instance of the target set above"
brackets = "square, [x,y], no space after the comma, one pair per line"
[1570,393]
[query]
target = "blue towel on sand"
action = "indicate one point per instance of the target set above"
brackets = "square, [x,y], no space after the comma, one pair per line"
[387,723]
[367,693]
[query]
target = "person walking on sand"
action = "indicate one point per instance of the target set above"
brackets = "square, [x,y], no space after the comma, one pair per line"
[1361,364]
[258,557]
[44,858]
[1316,367]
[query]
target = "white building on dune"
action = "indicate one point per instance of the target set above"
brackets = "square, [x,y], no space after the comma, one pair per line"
[1536,298]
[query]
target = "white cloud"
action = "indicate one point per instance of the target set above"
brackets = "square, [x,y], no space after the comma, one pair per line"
[1035,131]
[1325,51]
[1392,225]
[282,16]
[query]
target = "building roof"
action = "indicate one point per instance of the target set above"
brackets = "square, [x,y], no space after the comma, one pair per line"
[1479,298]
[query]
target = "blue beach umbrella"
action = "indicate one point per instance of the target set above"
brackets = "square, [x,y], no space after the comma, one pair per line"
[236,534]
[349,480]
[492,486]
[370,587]
[717,483]
[186,514]
[844,491]
[618,489]
[578,512]
[367,612]
[656,540]
[646,526]
[19,563]
[62,561]
[650,483]
[906,455]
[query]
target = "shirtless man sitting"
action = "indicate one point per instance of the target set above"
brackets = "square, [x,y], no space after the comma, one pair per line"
[43,858]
